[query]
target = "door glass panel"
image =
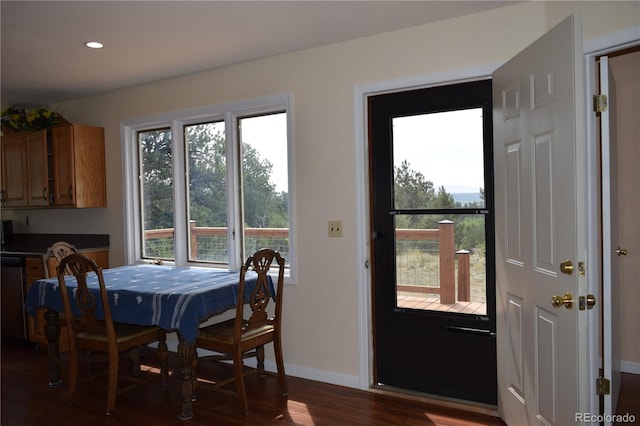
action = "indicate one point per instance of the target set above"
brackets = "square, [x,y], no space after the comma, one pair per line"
[207,192]
[441,247]
[438,160]
[441,263]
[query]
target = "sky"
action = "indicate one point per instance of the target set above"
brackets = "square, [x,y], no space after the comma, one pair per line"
[447,148]
[268,134]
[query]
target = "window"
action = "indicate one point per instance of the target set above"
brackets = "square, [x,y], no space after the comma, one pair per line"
[210,186]
[433,198]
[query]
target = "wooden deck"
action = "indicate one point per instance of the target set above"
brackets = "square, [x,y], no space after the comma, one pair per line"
[432,302]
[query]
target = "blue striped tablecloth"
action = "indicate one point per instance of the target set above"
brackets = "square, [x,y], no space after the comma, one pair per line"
[173,298]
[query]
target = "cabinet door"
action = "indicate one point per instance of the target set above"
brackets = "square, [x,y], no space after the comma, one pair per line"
[89,162]
[14,171]
[63,166]
[78,163]
[38,171]
[101,257]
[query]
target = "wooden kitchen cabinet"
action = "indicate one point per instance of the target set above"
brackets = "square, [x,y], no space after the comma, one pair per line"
[14,171]
[78,166]
[38,170]
[63,166]
[36,270]
[25,170]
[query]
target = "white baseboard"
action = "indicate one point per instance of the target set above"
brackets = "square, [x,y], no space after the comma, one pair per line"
[353,381]
[318,375]
[293,370]
[630,367]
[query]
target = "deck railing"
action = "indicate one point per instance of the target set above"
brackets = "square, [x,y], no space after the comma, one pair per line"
[210,244]
[444,236]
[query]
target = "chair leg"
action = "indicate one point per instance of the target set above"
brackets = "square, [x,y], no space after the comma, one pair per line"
[113,382]
[282,379]
[73,375]
[134,357]
[163,355]
[260,360]
[89,356]
[238,367]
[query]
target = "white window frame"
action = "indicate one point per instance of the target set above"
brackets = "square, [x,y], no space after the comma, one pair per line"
[229,113]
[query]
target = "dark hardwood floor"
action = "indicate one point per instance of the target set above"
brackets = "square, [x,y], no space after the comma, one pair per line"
[629,400]
[26,400]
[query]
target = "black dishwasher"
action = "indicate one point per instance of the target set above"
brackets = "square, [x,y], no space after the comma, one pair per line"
[12,280]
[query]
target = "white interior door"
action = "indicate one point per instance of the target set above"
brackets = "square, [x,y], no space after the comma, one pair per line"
[610,243]
[538,100]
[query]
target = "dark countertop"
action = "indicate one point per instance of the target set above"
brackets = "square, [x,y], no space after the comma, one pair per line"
[37,244]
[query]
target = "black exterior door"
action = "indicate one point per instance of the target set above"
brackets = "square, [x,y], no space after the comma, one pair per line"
[432,219]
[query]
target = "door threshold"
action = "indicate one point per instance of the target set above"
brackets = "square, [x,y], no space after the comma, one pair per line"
[459,404]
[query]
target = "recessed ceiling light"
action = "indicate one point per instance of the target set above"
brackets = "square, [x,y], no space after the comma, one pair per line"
[94,44]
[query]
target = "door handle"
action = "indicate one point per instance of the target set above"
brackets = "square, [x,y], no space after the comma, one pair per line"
[621,251]
[566,300]
[566,267]
[470,330]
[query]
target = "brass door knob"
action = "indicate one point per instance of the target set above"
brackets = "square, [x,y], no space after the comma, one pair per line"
[566,267]
[566,300]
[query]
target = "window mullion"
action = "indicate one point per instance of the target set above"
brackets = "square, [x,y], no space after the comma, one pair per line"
[234,182]
[133,224]
[179,194]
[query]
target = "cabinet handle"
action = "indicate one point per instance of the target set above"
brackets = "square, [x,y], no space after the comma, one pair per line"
[69,192]
[3,195]
[44,194]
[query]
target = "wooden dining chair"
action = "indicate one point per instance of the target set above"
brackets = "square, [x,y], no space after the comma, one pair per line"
[238,338]
[88,333]
[54,255]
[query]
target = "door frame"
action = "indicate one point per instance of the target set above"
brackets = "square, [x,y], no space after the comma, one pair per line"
[604,44]
[361,95]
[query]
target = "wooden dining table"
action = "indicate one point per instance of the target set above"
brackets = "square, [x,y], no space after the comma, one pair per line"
[173,298]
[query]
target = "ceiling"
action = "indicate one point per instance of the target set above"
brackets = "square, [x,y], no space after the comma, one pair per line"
[44,60]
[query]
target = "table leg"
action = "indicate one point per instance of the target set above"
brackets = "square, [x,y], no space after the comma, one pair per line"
[52,331]
[186,353]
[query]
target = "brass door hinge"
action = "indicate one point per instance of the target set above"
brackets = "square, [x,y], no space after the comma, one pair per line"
[603,386]
[600,103]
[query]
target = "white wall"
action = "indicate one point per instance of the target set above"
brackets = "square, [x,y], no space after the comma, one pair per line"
[320,315]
